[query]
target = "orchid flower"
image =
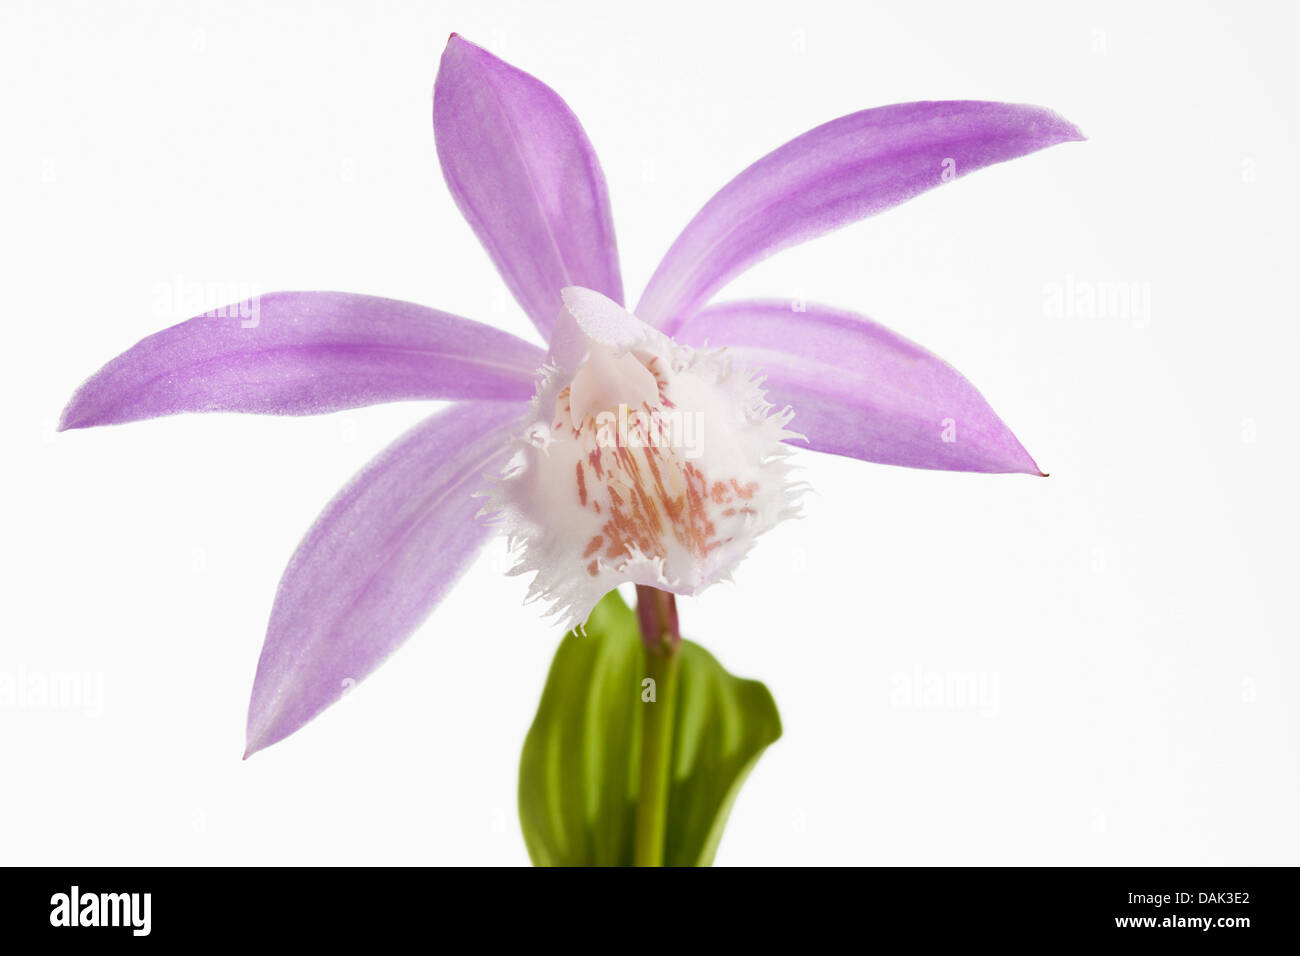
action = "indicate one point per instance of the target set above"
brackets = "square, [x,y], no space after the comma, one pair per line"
[645,446]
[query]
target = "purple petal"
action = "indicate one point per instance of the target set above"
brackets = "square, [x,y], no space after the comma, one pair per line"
[302,353]
[849,168]
[525,176]
[378,559]
[860,390]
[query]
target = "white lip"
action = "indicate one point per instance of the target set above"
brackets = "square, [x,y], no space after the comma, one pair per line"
[616,494]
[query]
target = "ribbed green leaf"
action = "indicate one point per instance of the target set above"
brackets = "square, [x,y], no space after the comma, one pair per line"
[580,770]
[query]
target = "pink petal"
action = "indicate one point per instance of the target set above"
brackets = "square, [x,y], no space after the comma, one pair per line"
[377,561]
[525,176]
[301,353]
[860,390]
[847,169]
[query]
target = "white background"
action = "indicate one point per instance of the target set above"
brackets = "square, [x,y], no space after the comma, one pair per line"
[1099,667]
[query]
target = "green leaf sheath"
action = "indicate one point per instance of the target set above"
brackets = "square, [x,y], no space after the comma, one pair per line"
[580,775]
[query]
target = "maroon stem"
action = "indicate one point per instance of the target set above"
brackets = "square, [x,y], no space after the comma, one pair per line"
[656,611]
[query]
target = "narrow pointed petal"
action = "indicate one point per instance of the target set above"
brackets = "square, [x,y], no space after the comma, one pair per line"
[303,353]
[379,558]
[860,390]
[845,170]
[524,174]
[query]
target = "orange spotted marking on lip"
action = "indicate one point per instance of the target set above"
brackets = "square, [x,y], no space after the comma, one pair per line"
[747,491]
[650,498]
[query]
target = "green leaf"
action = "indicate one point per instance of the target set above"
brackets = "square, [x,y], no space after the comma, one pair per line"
[580,771]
